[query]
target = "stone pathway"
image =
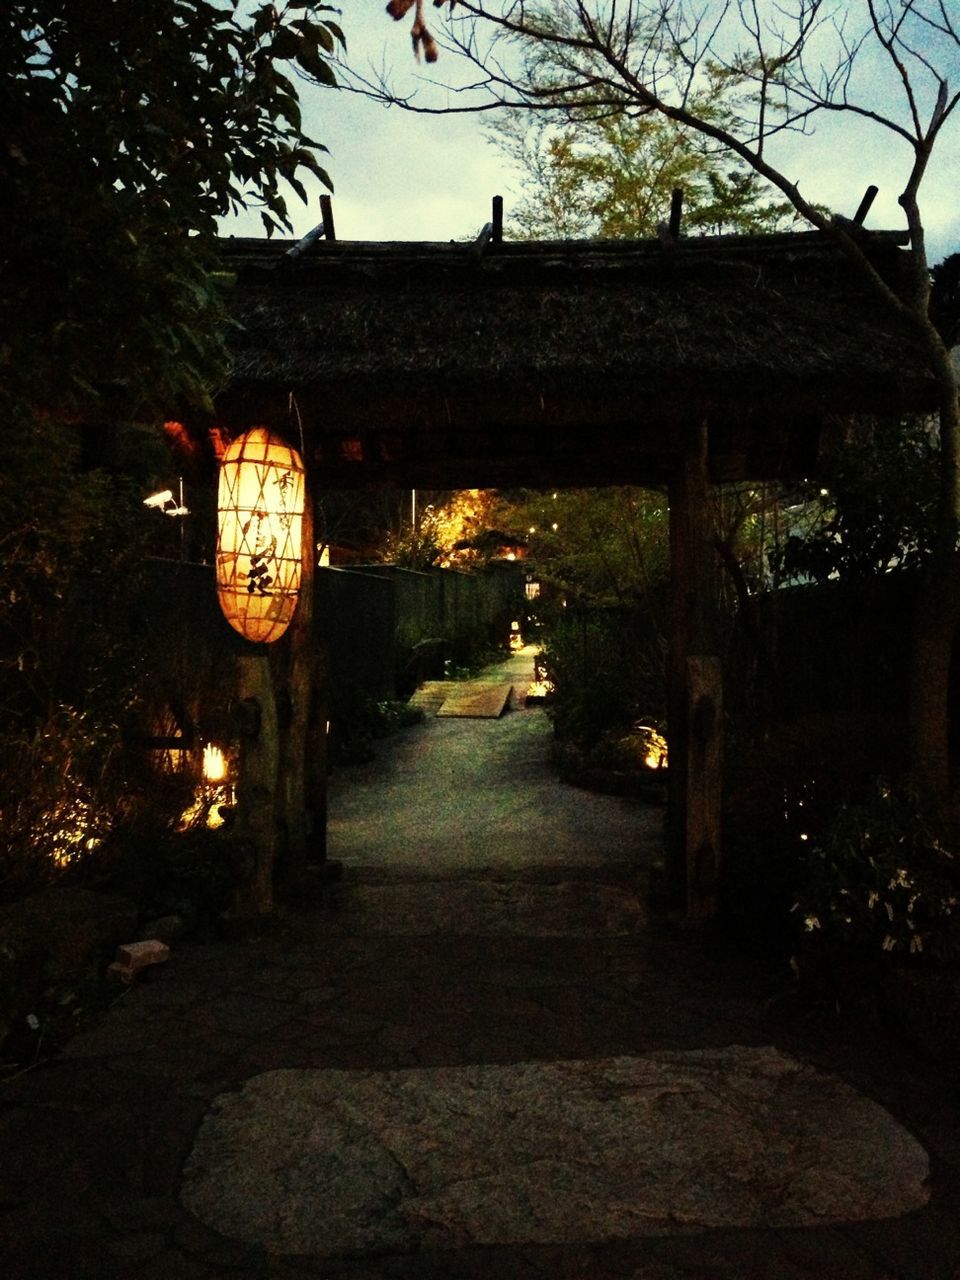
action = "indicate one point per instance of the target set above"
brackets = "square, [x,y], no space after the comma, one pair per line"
[480,1058]
[546,1153]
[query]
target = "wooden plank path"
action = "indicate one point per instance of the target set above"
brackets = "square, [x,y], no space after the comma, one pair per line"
[477,700]
[469,699]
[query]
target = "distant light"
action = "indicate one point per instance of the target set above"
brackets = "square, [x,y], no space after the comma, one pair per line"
[554,527]
[532,529]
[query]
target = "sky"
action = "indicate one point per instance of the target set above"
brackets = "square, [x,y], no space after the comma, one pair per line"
[400,176]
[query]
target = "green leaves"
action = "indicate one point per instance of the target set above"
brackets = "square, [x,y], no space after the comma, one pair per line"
[613,177]
[125,132]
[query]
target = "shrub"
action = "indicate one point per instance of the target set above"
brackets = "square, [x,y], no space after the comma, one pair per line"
[606,669]
[880,880]
[782,791]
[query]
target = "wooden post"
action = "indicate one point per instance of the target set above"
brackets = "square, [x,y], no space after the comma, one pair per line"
[326,212]
[317,748]
[694,692]
[256,812]
[295,762]
[704,776]
[497,220]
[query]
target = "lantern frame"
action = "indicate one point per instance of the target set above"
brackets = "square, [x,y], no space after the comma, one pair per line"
[260,504]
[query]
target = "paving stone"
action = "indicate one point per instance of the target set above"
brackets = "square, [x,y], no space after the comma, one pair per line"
[480,908]
[93,1143]
[331,1162]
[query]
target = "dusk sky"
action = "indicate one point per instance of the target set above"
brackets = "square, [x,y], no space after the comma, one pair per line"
[400,176]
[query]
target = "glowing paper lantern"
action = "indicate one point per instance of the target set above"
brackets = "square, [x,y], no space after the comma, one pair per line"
[260,524]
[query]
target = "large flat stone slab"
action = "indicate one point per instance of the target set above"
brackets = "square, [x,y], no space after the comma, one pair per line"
[347,1162]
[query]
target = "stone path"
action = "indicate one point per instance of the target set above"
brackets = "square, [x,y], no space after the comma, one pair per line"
[480,1058]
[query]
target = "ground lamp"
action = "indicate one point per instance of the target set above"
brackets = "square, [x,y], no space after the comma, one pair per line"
[259,534]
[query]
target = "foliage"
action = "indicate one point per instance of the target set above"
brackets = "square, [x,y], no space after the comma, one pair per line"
[125,131]
[878,513]
[71,666]
[592,545]
[445,532]
[879,880]
[613,177]
[191,873]
[782,787]
[360,721]
[606,667]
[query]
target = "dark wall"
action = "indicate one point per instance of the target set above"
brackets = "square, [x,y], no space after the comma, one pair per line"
[374,618]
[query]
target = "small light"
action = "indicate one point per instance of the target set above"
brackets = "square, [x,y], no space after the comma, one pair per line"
[214,763]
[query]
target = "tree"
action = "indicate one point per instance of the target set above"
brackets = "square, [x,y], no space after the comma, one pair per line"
[613,176]
[878,513]
[125,131]
[780,67]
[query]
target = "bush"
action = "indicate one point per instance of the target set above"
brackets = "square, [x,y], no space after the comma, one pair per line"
[879,880]
[606,669]
[782,791]
[357,727]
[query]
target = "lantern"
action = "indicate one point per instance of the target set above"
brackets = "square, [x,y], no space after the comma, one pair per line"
[260,524]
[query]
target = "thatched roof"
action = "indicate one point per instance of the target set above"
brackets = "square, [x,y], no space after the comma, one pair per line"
[566,362]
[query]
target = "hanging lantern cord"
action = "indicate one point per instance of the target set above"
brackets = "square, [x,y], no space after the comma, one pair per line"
[293,408]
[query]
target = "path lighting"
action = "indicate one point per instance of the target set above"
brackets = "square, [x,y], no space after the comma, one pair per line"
[260,521]
[214,796]
[653,746]
[214,763]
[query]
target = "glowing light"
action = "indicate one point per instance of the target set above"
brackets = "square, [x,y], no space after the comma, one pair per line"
[653,745]
[68,831]
[214,763]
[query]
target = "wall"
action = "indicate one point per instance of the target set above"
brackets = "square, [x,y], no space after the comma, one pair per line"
[373,619]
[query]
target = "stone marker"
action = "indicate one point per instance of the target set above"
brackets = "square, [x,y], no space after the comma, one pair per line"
[135,956]
[333,1162]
